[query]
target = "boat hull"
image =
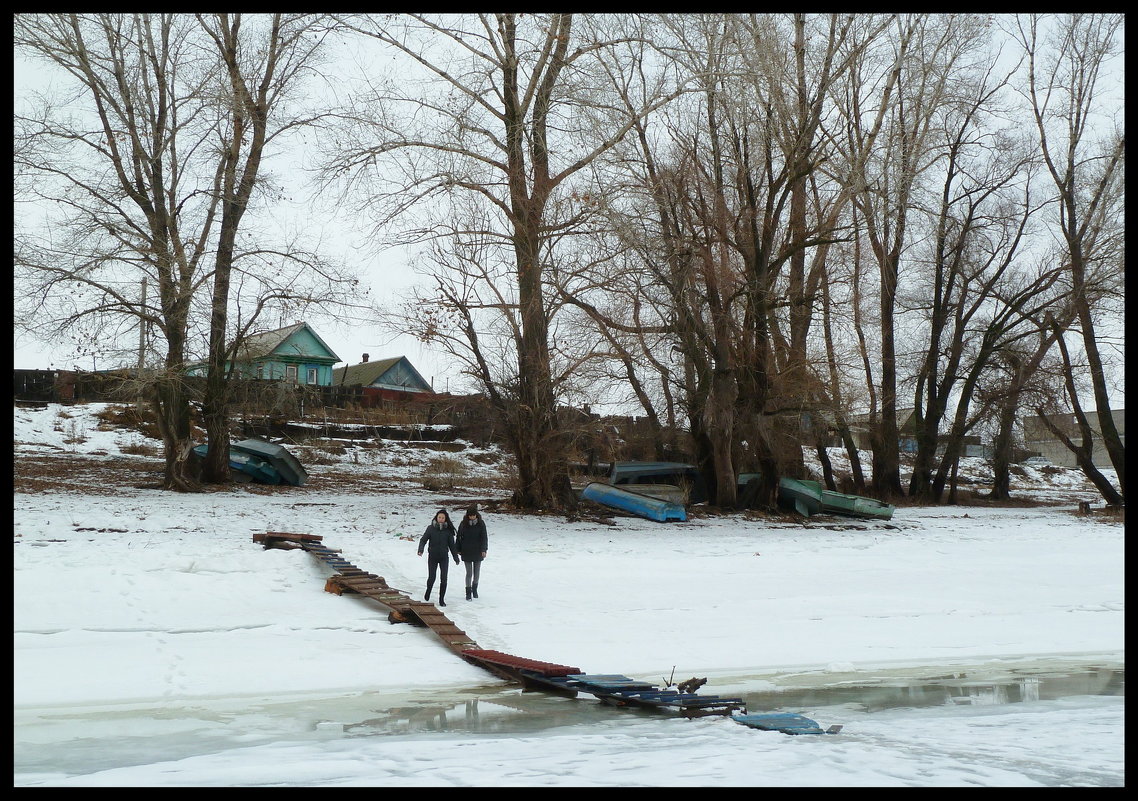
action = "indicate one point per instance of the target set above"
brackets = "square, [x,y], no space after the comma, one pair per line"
[246,467]
[641,505]
[808,498]
[287,465]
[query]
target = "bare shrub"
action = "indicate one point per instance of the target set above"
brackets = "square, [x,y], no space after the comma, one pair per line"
[443,472]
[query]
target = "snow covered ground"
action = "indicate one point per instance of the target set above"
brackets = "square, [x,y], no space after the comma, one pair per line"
[155,644]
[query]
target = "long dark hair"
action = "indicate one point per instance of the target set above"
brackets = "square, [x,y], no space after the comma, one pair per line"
[444,513]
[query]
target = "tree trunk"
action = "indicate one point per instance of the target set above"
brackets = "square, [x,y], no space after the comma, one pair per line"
[172,411]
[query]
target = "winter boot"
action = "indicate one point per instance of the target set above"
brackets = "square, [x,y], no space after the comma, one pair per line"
[468,593]
[442,595]
[474,590]
[427,594]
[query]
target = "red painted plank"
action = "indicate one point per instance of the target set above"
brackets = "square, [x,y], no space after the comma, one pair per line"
[509,660]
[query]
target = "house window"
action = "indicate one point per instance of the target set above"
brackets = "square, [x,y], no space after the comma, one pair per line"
[290,373]
[260,370]
[311,375]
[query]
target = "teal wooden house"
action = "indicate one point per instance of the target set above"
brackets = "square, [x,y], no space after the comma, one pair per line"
[295,354]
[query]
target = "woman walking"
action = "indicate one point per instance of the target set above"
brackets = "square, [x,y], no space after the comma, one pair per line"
[472,542]
[438,539]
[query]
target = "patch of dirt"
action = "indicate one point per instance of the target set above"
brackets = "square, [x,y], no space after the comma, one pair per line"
[124,475]
[74,473]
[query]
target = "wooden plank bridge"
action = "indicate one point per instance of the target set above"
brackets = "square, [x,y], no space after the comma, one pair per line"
[612,689]
[402,608]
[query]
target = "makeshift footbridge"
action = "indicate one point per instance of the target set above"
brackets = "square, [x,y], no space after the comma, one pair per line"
[613,689]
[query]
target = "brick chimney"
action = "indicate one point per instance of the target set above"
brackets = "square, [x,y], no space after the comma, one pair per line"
[365,358]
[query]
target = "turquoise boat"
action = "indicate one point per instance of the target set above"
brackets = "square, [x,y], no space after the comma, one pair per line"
[805,497]
[785,722]
[246,467]
[808,498]
[284,463]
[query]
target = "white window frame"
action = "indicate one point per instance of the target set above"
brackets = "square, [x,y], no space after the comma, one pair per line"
[290,373]
[313,375]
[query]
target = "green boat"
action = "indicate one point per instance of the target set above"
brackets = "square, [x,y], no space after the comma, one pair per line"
[805,497]
[808,498]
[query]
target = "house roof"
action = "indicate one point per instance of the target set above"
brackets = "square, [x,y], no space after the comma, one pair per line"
[268,342]
[360,375]
[367,373]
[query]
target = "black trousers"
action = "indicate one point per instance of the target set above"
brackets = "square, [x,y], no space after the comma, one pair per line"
[438,563]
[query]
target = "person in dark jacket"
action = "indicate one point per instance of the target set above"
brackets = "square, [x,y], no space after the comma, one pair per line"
[472,542]
[438,539]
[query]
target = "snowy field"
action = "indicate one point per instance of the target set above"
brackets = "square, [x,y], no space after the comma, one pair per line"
[155,644]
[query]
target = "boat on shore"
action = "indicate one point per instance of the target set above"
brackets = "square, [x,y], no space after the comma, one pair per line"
[641,505]
[809,498]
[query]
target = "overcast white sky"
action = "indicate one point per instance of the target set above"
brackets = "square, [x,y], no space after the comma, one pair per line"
[387,275]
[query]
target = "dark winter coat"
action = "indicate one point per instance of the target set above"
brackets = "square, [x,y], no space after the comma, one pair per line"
[439,541]
[472,539]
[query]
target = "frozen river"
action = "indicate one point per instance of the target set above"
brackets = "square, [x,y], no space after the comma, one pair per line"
[141,743]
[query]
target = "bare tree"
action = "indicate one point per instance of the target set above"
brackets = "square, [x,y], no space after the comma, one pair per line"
[135,160]
[1021,365]
[886,150]
[1068,64]
[511,113]
[260,66]
[977,298]
[1084,447]
[118,187]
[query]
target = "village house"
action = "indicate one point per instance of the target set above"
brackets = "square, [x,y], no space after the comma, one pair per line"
[295,354]
[386,379]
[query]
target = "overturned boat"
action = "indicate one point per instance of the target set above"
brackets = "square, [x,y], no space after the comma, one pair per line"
[262,462]
[245,467]
[673,474]
[290,469]
[808,498]
[656,509]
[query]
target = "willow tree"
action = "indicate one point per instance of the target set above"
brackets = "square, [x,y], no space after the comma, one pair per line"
[506,108]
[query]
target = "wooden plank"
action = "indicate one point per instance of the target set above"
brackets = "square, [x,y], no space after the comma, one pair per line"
[363,583]
[511,661]
[441,630]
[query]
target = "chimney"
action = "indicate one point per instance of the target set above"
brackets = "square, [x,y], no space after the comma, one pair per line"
[365,358]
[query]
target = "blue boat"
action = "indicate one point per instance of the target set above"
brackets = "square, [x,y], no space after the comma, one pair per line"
[246,467]
[785,722]
[290,470]
[642,505]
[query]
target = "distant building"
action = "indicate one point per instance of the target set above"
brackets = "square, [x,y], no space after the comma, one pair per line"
[392,378]
[295,354]
[1039,440]
[906,430]
[907,436]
